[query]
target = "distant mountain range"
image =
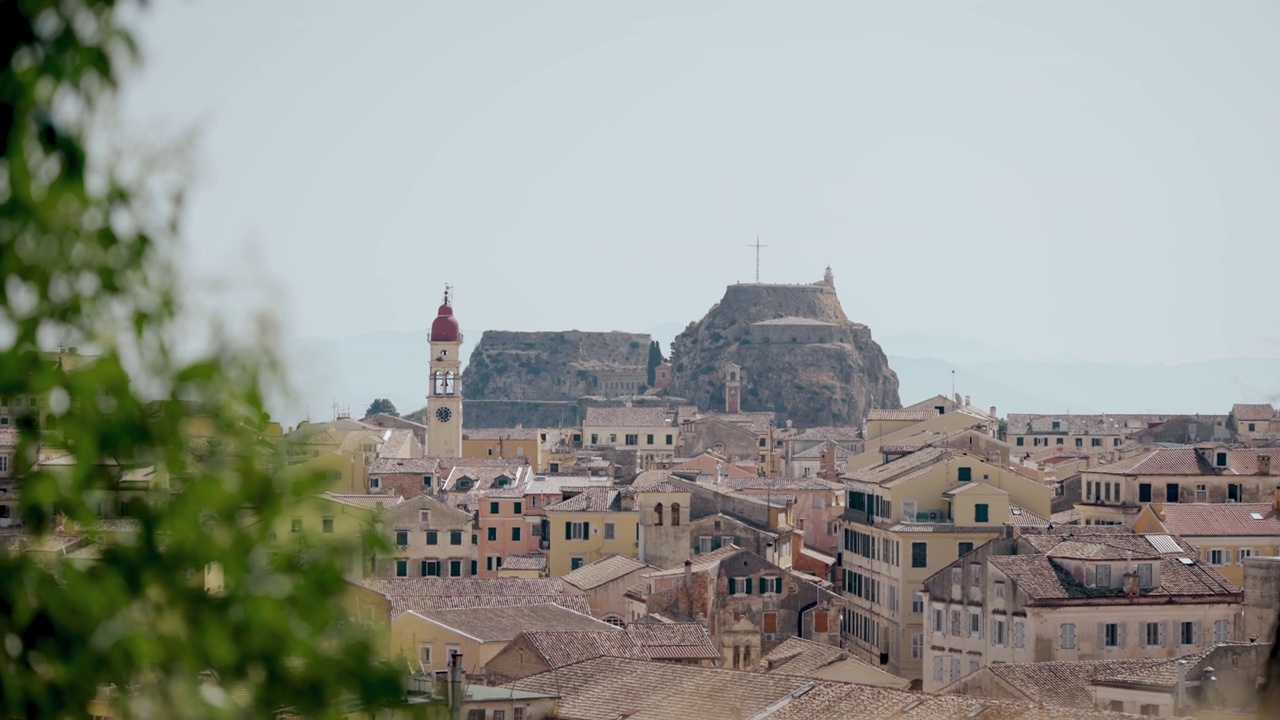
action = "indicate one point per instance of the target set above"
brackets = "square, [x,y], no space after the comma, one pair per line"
[351,372]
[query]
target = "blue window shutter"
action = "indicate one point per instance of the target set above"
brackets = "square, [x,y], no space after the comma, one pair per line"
[748,583]
[733,586]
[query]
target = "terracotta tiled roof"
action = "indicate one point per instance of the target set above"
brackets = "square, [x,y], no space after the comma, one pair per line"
[503,624]
[647,417]
[1246,412]
[368,502]
[8,437]
[1059,683]
[1184,461]
[1042,579]
[700,563]
[673,641]
[609,688]
[1158,674]
[759,483]
[603,571]
[797,656]
[417,466]
[426,603]
[899,467]
[500,434]
[828,432]
[1220,519]
[395,586]
[592,499]
[707,464]
[560,647]
[525,562]
[393,441]
[757,422]
[916,415]
[1107,424]
[1022,517]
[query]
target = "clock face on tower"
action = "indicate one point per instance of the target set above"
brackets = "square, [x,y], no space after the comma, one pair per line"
[443,414]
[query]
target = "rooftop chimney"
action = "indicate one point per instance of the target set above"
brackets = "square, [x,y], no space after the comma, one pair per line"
[688,573]
[993,411]
[1264,464]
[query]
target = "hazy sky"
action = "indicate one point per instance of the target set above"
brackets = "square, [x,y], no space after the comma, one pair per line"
[1093,178]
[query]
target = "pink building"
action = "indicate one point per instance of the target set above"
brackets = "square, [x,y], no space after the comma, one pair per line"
[505,529]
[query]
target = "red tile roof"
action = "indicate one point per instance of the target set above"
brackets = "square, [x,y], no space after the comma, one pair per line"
[1185,461]
[1246,411]
[1220,519]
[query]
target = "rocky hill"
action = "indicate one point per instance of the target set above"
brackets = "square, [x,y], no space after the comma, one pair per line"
[800,356]
[555,366]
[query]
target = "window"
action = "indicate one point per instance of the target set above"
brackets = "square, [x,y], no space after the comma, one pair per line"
[576,530]
[1221,460]
[455,537]
[515,533]
[1019,633]
[473,567]
[499,715]
[1110,635]
[295,525]
[1020,442]
[1221,631]
[648,439]
[999,633]
[1202,493]
[475,715]
[517,508]
[975,624]
[426,481]
[402,568]
[1095,442]
[917,603]
[494,508]
[1079,442]
[981,513]
[770,622]
[1217,556]
[955,669]
[1067,636]
[964,474]
[433,537]
[631,440]
[1187,632]
[1151,634]
[704,544]
[657,511]
[919,555]
[595,439]
[999,589]
[1102,576]
[955,623]
[326,525]
[975,574]
[492,534]
[424,517]
[1243,553]
[963,548]
[675,513]
[1144,492]
[1150,709]
[957,575]
[518,713]
[938,619]
[613,438]
[455,568]
[1171,492]
[402,538]
[1144,575]
[375,483]
[424,654]
[610,530]
[917,645]
[575,563]
[4,463]
[489,562]
[430,568]
[937,661]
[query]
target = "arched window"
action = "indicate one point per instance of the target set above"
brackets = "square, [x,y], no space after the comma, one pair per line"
[658,510]
[675,513]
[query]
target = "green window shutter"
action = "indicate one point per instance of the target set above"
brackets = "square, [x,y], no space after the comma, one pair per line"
[715,543]
[568,531]
[777,586]
[518,508]
[493,508]
[586,531]
[733,586]
[748,584]
[966,474]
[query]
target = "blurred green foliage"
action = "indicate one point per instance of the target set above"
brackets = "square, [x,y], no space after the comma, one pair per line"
[85,258]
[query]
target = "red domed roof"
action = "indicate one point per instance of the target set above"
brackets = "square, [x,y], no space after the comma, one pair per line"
[445,327]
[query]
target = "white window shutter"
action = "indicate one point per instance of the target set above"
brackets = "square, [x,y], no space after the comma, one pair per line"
[1197,632]
[1124,631]
[1164,633]
[1102,635]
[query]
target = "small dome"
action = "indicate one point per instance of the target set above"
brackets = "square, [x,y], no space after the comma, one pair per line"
[445,327]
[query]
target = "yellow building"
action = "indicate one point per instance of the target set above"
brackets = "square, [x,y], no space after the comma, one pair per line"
[646,430]
[891,429]
[507,443]
[424,641]
[334,518]
[1224,534]
[903,521]
[587,526]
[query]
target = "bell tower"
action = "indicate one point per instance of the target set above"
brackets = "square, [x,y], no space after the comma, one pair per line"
[733,389]
[444,399]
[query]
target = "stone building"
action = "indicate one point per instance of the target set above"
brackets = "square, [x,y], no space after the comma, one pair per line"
[1073,594]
